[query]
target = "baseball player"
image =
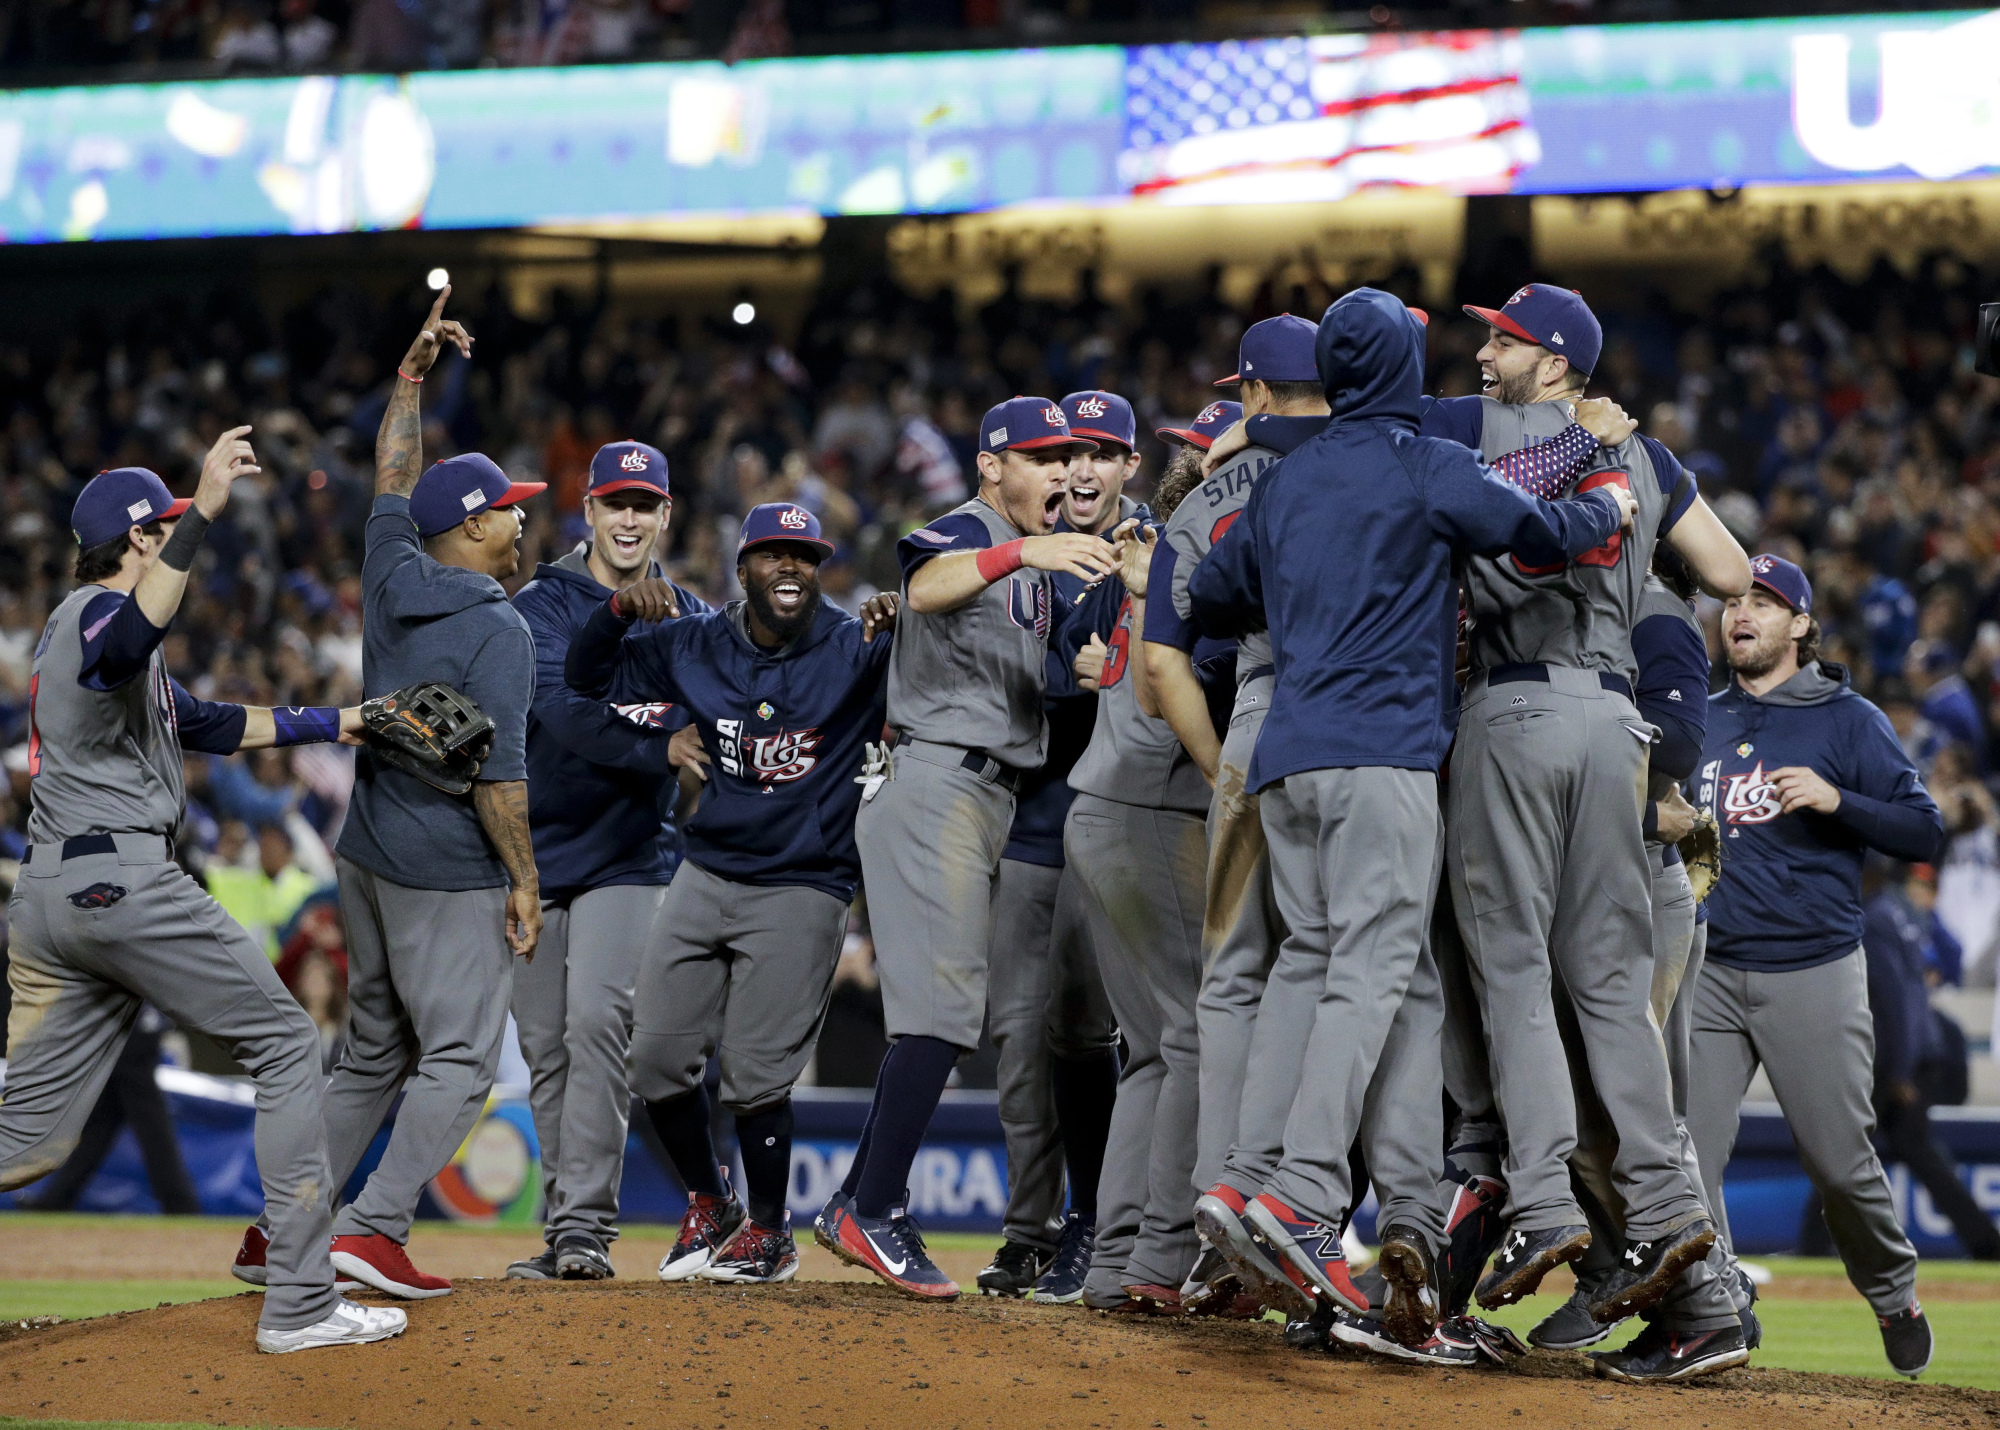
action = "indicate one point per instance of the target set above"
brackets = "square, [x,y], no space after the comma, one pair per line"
[598,783]
[967,677]
[1046,1009]
[1347,551]
[1803,776]
[1546,852]
[104,920]
[434,888]
[785,689]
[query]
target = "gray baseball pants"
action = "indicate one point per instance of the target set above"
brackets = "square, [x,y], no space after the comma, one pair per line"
[78,976]
[1549,878]
[930,841]
[1240,934]
[428,979]
[1347,1042]
[743,971]
[573,1014]
[1811,1031]
[1044,1000]
[1141,874]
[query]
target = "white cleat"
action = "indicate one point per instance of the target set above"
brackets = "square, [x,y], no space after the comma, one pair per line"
[346,1325]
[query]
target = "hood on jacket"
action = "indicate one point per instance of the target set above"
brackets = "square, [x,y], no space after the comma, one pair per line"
[437,590]
[1370,352]
[826,621]
[1814,685]
[573,566]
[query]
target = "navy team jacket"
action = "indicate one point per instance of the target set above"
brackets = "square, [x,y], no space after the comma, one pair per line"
[784,730]
[600,792]
[1790,893]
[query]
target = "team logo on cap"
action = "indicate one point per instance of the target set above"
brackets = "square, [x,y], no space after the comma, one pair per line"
[1053,416]
[1209,413]
[1518,296]
[633,461]
[792,519]
[1761,565]
[1090,407]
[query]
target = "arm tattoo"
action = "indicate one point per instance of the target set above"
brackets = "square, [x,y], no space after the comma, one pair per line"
[399,444]
[503,813]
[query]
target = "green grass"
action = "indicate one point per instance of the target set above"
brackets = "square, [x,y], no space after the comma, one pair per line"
[74,1300]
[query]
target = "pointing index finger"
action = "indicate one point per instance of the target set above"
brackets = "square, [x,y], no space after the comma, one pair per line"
[437,308]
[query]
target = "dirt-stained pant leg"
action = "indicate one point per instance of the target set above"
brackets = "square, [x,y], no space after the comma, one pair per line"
[1812,1032]
[1141,872]
[78,975]
[1017,1001]
[930,841]
[1240,934]
[1354,856]
[429,976]
[573,1010]
[1548,872]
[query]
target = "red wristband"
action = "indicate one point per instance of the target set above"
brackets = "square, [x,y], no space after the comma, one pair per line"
[407,378]
[618,610]
[1003,560]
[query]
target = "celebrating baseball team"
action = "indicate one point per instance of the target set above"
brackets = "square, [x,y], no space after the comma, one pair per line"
[1357,815]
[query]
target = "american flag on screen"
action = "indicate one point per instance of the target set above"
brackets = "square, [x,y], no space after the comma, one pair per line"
[1281,121]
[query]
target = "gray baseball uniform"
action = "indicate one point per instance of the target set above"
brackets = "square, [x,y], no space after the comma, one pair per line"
[422,890]
[103,920]
[1545,851]
[1135,844]
[965,691]
[1241,927]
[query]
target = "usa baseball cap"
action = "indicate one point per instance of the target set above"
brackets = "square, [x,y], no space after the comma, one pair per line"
[781,521]
[114,502]
[620,466]
[1783,580]
[1102,417]
[457,487]
[1028,424]
[1211,422]
[1556,318]
[1278,349]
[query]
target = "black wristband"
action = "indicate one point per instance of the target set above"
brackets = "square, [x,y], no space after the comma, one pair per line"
[178,553]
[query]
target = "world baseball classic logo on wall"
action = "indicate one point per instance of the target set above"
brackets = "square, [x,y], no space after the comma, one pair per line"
[496,1174]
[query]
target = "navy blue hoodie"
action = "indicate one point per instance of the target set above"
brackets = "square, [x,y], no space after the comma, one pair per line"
[784,730]
[1790,892]
[1346,550]
[600,791]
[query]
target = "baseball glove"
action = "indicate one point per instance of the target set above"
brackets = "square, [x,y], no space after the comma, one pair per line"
[431,731]
[1701,851]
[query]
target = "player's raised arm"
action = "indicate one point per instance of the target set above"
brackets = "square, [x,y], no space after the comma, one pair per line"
[399,443]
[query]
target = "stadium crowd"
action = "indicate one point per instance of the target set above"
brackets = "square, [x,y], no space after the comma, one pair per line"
[1836,423]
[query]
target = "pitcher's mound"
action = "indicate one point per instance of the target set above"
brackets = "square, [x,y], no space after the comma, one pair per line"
[827,1356]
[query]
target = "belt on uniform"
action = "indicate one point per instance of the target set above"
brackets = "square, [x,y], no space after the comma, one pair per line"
[977,762]
[1256,673]
[1536,671]
[84,845]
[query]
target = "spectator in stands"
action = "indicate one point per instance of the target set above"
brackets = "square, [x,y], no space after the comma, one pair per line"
[261,888]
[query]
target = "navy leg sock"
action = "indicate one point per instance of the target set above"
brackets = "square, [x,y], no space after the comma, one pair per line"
[906,1094]
[765,1139]
[1085,1088]
[682,1123]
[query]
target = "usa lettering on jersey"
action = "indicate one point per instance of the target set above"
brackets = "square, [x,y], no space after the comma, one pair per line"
[1028,607]
[767,759]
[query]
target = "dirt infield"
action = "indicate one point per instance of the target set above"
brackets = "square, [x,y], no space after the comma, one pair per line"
[822,1356]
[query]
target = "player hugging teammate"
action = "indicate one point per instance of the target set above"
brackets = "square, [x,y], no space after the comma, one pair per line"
[1338,793]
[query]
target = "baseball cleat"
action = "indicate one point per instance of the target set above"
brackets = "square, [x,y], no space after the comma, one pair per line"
[346,1325]
[1062,1283]
[1647,1270]
[1411,1312]
[1310,1253]
[1013,1271]
[1114,1300]
[706,1226]
[1524,1258]
[1154,1300]
[1571,1327]
[1213,1289]
[893,1248]
[756,1255]
[582,1257]
[1473,1229]
[539,1267]
[383,1264]
[823,1220]
[1460,1341]
[1753,1329]
[249,1264]
[1906,1340]
[1219,1218]
[1656,1354]
[1314,1332]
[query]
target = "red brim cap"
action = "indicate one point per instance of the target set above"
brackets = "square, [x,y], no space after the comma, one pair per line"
[1184,434]
[1494,318]
[628,485]
[518,492]
[1100,438]
[825,546]
[1036,444]
[1226,381]
[177,510]
[1421,316]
